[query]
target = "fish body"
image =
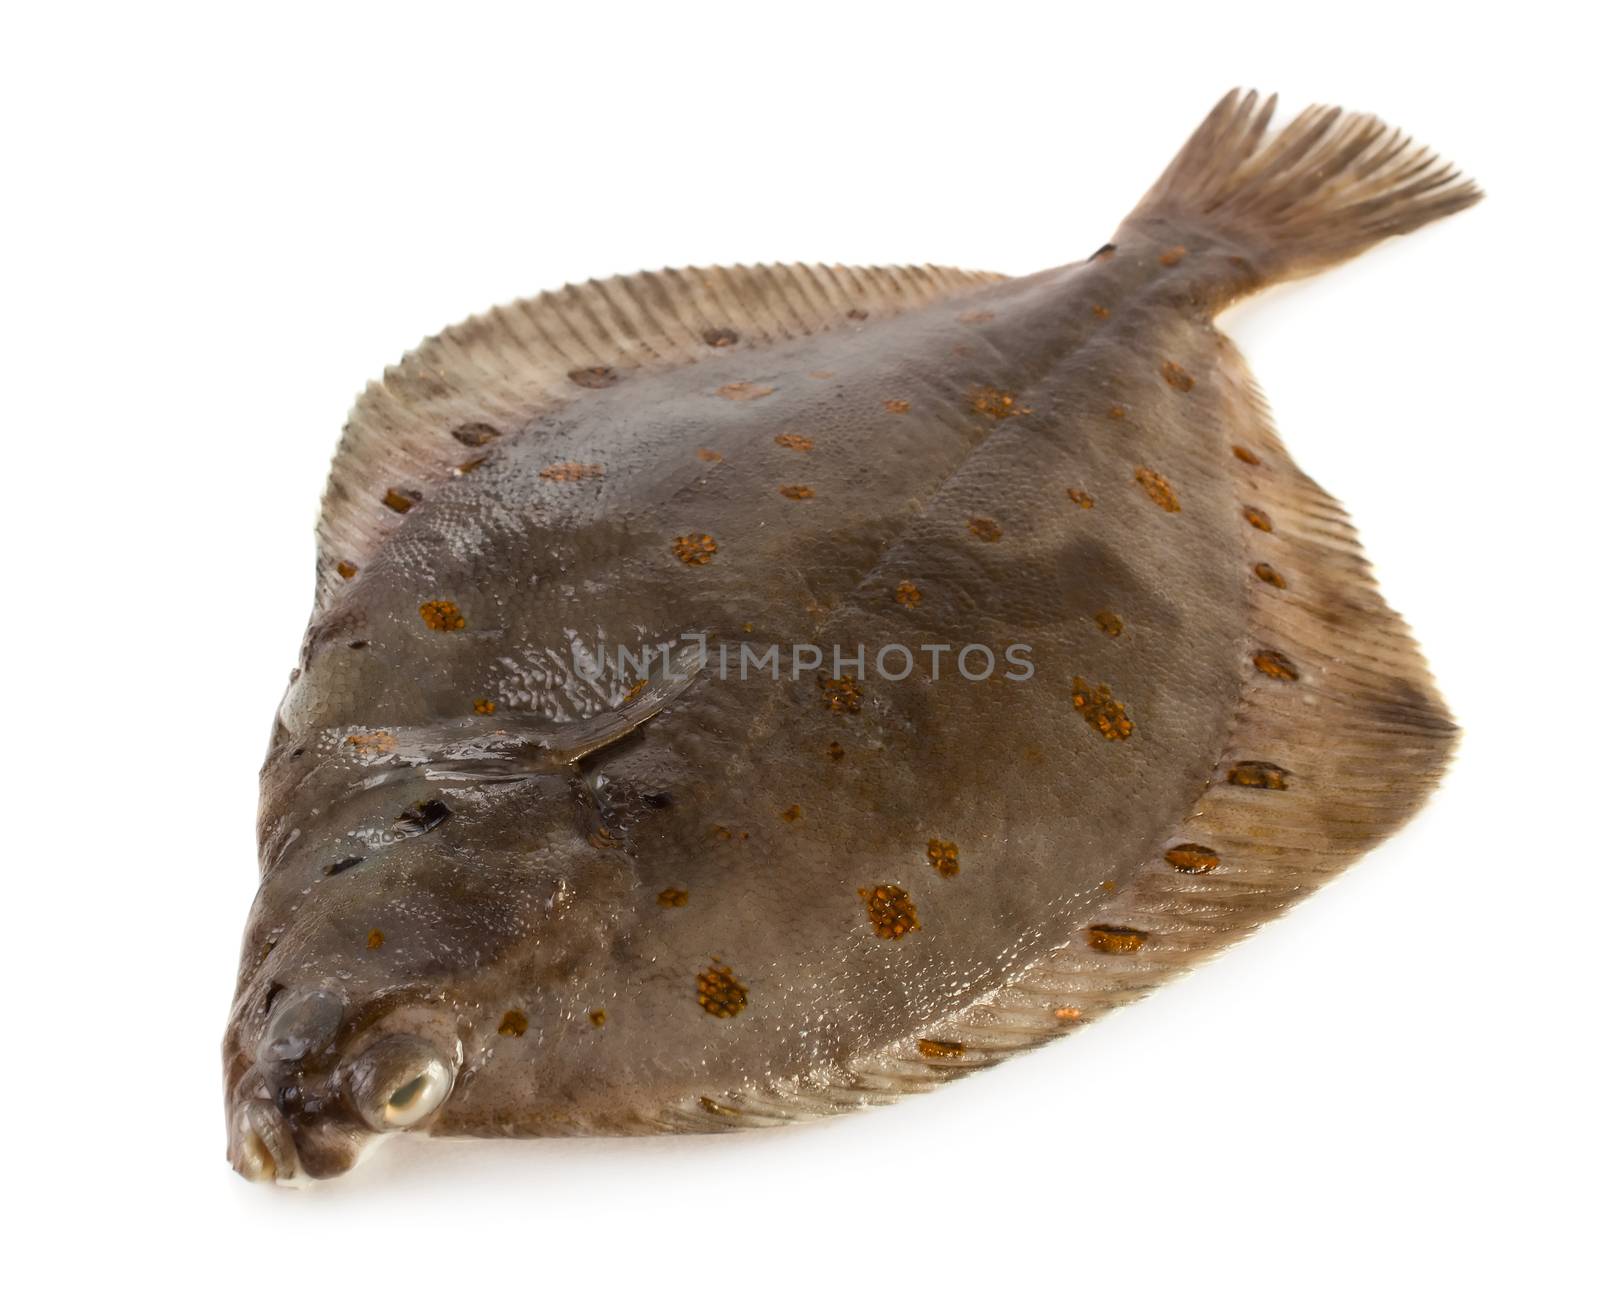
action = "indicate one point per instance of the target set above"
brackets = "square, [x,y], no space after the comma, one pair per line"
[744,695]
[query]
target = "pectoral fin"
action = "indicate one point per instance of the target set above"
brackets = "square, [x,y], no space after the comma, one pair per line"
[522,745]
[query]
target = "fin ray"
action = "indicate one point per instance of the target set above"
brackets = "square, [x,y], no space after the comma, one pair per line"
[1320,191]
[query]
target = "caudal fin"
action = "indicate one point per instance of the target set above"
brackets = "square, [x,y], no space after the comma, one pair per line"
[1321,190]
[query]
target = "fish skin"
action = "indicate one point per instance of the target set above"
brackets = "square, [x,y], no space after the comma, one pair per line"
[509,907]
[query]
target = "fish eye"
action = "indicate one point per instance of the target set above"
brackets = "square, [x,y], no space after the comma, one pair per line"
[301,1024]
[398,1082]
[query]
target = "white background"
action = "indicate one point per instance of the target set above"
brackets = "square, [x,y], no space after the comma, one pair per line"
[221,221]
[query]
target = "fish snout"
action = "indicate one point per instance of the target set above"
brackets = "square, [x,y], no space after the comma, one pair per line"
[260,1144]
[309,1091]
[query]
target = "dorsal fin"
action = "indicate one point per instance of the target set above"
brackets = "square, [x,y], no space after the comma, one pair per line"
[489,376]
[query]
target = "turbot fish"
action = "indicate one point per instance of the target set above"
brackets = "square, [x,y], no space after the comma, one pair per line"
[739,695]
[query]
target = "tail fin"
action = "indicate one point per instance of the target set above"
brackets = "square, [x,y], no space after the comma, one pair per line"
[1324,189]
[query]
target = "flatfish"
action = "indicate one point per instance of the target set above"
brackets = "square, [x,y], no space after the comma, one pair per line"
[739,695]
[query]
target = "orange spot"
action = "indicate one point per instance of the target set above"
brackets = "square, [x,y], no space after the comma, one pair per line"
[891,912]
[569,472]
[1096,705]
[1267,575]
[1275,665]
[374,938]
[593,376]
[944,858]
[672,897]
[792,812]
[1258,519]
[475,433]
[842,694]
[1109,621]
[346,569]
[1081,498]
[719,337]
[1100,312]
[908,594]
[514,1023]
[1258,775]
[694,549]
[896,406]
[995,404]
[1192,858]
[597,1018]
[984,529]
[401,499]
[1176,376]
[1172,255]
[372,743]
[1110,887]
[940,1049]
[706,454]
[743,391]
[1116,412]
[797,492]
[794,442]
[1156,488]
[1068,1014]
[721,1110]
[719,992]
[634,690]
[1246,455]
[484,706]
[1115,939]
[442,614]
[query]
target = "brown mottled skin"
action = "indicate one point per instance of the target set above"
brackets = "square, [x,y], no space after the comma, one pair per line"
[773,810]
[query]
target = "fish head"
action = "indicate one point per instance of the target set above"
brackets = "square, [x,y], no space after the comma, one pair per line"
[375,976]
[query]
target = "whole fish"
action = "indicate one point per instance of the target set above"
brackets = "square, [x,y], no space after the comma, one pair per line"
[740,695]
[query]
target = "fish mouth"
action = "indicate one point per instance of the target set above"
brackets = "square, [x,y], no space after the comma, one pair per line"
[269,1144]
[261,1146]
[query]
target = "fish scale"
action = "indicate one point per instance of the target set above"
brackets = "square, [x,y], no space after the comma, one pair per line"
[543,892]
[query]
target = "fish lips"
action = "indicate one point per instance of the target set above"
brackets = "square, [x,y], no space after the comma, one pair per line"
[266,1145]
[261,1147]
